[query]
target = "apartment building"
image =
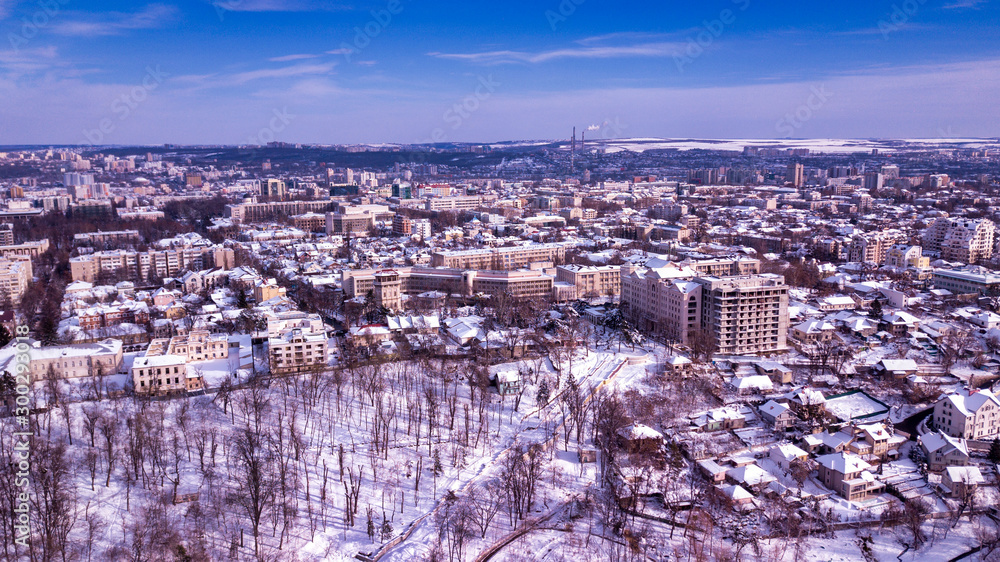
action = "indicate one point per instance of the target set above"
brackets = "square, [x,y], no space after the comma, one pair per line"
[904,256]
[459,202]
[592,281]
[110,237]
[162,263]
[358,220]
[164,368]
[968,415]
[500,259]
[31,249]
[747,314]
[15,275]
[257,212]
[959,239]
[297,351]
[417,280]
[872,247]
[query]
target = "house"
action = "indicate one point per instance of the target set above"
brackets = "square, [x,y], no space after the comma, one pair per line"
[720,419]
[752,384]
[640,438]
[900,323]
[848,476]
[836,302]
[784,455]
[712,470]
[943,450]
[736,495]
[875,442]
[778,415]
[960,481]
[968,414]
[778,373]
[678,365]
[507,382]
[826,443]
[750,476]
[899,368]
[813,331]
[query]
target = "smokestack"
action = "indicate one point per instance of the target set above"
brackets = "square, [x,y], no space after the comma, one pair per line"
[572,152]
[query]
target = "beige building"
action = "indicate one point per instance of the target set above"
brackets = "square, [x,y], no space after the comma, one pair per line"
[746,314]
[267,290]
[164,368]
[297,351]
[500,259]
[848,475]
[872,247]
[162,263]
[31,249]
[968,415]
[591,281]
[417,280]
[74,361]
[958,239]
[905,256]
[14,278]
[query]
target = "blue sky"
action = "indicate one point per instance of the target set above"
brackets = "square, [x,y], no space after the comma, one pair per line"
[344,71]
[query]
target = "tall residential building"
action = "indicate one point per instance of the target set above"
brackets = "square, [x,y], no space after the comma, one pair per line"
[273,188]
[872,247]
[14,277]
[746,314]
[795,175]
[960,239]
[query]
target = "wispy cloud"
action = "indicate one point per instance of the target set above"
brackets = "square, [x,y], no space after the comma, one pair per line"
[959,4]
[283,72]
[289,58]
[582,52]
[116,23]
[5,7]
[279,6]
[23,62]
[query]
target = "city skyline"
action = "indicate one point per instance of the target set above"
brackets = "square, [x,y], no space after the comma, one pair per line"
[251,71]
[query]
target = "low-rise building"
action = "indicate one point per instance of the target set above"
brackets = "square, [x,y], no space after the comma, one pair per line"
[298,351]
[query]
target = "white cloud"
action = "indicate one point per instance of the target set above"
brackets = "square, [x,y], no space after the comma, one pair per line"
[959,4]
[289,58]
[283,72]
[116,23]
[277,6]
[506,57]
